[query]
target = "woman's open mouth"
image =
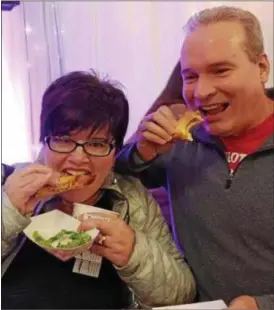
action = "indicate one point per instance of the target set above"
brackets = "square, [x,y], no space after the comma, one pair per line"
[75,172]
[84,177]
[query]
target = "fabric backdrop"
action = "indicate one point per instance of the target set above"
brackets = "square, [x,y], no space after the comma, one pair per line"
[137,43]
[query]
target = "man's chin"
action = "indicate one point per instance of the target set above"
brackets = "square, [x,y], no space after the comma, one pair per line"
[218,130]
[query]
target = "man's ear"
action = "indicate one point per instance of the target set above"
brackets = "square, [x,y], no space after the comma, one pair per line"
[264,66]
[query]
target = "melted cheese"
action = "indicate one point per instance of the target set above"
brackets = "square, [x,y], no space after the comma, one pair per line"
[66,182]
[184,125]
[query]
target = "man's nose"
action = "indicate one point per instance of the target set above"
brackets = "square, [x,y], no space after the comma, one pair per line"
[204,88]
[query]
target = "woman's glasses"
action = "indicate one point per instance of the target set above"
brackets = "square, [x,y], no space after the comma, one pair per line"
[66,145]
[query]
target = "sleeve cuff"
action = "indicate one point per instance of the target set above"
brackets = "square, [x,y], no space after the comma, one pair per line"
[16,221]
[136,162]
[140,250]
[265,302]
[136,158]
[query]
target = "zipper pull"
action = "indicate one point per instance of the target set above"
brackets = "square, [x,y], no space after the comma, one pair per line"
[229,180]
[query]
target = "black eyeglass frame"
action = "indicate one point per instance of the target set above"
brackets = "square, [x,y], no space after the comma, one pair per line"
[82,145]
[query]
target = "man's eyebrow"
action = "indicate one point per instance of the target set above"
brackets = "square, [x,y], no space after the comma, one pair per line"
[186,70]
[220,64]
[211,66]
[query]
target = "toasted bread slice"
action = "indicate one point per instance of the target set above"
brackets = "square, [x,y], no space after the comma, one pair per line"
[189,119]
[66,183]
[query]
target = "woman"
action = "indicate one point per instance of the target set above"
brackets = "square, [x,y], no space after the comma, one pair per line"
[83,124]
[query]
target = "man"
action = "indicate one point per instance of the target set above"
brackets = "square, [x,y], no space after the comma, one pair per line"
[221,184]
[171,95]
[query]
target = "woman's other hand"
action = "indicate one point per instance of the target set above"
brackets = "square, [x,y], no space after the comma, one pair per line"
[117,239]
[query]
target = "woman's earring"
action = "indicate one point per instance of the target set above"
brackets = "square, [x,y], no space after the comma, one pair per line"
[112,177]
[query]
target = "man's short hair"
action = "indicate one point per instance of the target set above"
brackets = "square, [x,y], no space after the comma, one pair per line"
[253,45]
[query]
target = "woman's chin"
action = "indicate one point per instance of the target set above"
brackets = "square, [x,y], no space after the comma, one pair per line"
[79,195]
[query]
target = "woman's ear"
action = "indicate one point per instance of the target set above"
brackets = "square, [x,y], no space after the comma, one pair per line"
[40,158]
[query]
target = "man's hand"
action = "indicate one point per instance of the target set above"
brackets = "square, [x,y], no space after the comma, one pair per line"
[156,131]
[23,184]
[118,239]
[243,302]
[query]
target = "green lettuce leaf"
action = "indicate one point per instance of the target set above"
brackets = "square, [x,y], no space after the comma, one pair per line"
[64,239]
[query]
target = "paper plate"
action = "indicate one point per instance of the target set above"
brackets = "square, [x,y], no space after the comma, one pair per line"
[50,223]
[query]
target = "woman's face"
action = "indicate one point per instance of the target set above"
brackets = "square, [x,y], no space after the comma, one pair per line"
[92,170]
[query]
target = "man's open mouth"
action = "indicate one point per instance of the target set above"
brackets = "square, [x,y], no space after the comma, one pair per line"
[214,109]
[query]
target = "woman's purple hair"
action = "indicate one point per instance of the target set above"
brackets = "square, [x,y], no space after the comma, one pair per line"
[81,100]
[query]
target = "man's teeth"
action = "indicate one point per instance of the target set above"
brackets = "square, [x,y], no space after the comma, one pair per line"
[210,107]
[214,109]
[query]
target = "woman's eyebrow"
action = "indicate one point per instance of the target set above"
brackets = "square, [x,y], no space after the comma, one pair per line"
[99,138]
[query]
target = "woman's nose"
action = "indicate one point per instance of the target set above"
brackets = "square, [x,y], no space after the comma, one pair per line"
[79,155]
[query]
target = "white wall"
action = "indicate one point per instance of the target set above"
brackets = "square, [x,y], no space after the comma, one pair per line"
[15,91]
[135,42]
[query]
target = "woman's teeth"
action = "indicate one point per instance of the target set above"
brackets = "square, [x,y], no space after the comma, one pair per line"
[76,173]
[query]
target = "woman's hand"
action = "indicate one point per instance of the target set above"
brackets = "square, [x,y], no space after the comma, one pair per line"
[23,184]
[65,255]
[118,239]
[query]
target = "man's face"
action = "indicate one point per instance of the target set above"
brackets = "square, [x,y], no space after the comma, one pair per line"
[220,80]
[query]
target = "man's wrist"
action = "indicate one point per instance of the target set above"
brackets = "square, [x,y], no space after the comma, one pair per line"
[144,154]
[138,159]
